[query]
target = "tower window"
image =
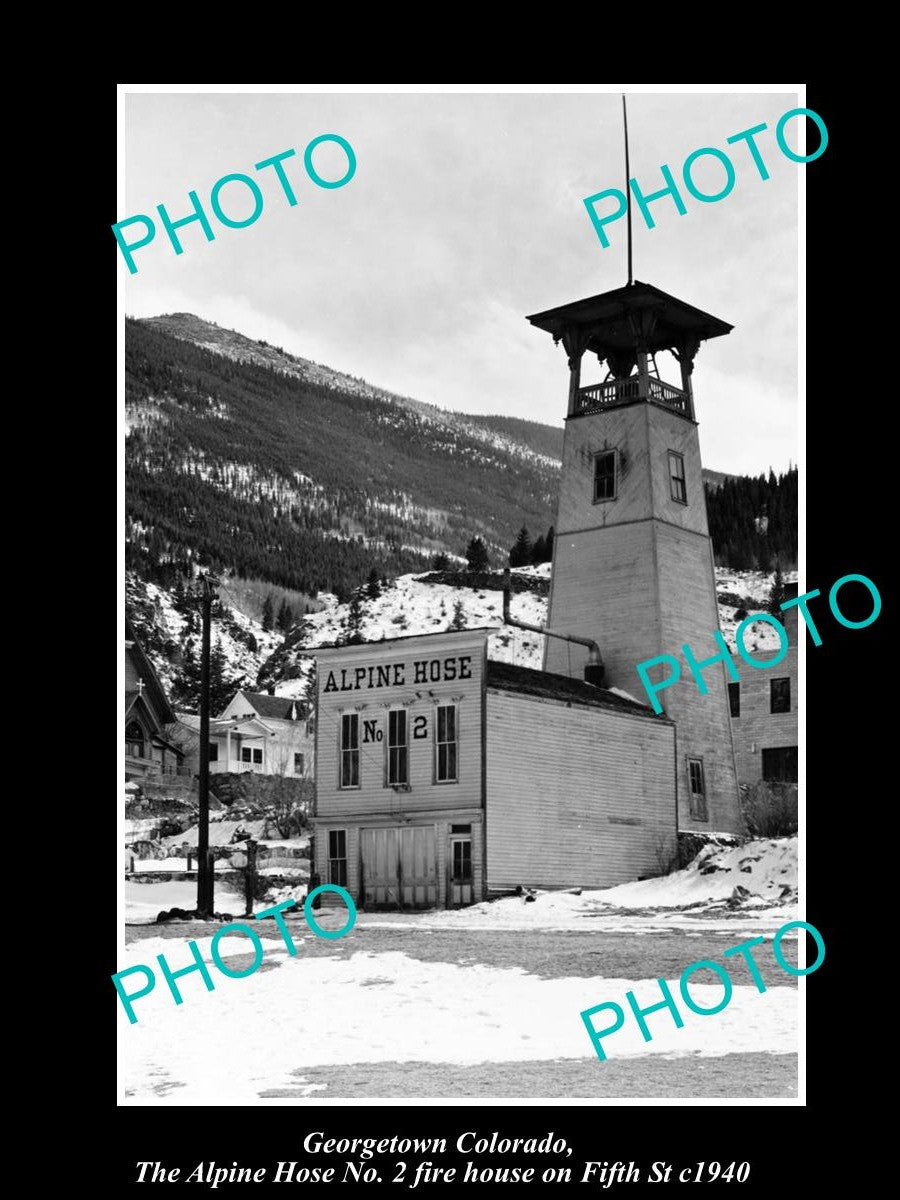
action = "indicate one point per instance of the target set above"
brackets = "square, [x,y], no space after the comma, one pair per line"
[697,789]
[677,481]
[605,475]
[780,696]
[734,699]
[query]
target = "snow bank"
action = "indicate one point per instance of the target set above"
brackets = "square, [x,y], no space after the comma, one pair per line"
[693,899]
[765,867]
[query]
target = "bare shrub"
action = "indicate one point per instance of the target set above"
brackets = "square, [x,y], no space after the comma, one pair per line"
[770,809]
[665,851]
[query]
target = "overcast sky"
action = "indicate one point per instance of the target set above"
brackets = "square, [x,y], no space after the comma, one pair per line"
[466,214]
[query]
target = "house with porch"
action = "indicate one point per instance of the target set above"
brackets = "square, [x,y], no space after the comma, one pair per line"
[259,732]
[149,750]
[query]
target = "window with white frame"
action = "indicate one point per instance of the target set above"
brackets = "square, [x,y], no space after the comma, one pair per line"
[447,744]
[350,750]
[397,747]
[250,754]
[299,763]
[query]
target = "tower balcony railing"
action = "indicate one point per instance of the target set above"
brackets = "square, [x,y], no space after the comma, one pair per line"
[613,392]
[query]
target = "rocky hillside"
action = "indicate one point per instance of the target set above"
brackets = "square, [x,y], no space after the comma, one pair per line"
[410,604]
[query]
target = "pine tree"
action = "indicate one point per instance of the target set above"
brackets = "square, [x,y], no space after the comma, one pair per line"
[440,562]
[548,544]
[777,594]
[373,588]
[353,623]
[538,550]
[268,613]
[520,554]
[187,683]
[459,615]
[223,683]
[285,616]
[477,556]
[182,600]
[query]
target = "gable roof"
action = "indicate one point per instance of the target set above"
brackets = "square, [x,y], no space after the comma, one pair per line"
[160,704]
[243,726]
[273,706]
[548,686]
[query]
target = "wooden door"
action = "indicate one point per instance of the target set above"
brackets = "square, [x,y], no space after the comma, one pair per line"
[399,867]
[418,866]
[380,849]
[460,871]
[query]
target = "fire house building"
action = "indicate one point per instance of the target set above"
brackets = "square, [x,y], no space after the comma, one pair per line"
[444,777]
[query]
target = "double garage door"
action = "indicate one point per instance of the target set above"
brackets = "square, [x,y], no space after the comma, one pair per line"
[399,867]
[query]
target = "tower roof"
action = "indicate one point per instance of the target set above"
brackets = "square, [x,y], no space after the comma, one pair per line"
[637,315]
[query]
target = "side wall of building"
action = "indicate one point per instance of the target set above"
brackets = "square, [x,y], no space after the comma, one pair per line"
[758,728]
[575,796]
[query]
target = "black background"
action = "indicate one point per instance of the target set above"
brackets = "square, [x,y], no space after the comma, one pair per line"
[849,529]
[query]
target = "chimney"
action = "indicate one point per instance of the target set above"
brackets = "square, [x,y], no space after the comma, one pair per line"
[594,670]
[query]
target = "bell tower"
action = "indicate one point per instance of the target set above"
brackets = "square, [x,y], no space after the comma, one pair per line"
[632,559]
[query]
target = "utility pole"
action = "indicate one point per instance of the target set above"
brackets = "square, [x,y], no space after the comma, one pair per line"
[205,878]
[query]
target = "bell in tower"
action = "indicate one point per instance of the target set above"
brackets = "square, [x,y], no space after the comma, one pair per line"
[633,561]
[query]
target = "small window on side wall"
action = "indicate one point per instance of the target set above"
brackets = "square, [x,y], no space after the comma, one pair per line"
[605,472]
[697,785]
[677,481]
[734,699]
[780,696]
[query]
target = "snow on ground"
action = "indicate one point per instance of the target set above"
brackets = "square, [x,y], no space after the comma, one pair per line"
[765,867]
[409,606]
[388,1007]
[752,586]
[239,658]
[692,899]
[144,901]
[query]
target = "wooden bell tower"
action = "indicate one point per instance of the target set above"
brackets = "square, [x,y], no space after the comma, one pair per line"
[632,560]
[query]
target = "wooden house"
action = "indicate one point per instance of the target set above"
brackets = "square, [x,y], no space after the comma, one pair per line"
[443,777]
[149,750]
[263,733]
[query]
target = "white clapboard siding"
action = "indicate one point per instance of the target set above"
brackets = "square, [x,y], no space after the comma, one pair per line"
[441,824]
[374,796]
[576,796]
